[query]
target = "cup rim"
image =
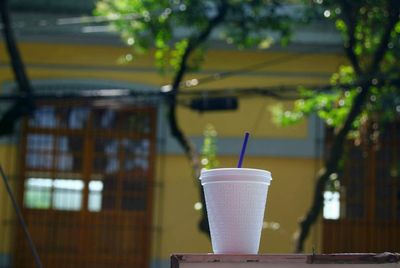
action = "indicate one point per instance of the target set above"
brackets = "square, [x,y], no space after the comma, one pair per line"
[235,174]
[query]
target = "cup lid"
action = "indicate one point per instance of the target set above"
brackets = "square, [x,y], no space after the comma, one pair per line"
[235,174]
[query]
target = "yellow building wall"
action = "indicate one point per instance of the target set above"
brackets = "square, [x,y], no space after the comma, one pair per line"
[291,189]
[56,61]
[8,157]
[74,61]
[253,115]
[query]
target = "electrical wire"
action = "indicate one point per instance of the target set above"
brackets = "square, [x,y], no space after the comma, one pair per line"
[21,219]
[259,117]
[251,68]
[187,83]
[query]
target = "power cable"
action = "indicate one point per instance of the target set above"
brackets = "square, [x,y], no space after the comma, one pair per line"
[221,75]
[258,118]
[184,84]
[21,219]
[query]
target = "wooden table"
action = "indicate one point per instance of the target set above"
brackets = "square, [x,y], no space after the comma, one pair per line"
[350,260]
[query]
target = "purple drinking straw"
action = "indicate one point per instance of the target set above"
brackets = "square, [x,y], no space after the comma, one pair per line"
[246,138]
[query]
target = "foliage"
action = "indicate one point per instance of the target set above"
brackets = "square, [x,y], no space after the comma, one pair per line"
[366,87]
[364,90]
[362,25]
[209,149]
[169,25]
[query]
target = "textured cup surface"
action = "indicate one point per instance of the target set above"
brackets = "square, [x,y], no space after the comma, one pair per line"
[235,200]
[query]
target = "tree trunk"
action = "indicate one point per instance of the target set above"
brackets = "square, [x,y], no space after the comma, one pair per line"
[331,164]
[25,105]
[176,130]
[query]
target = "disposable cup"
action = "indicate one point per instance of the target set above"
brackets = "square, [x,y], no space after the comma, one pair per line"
[235,202]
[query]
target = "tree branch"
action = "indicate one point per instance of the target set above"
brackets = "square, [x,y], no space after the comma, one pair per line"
[394,13]
[348,17]
[176,130]
[173,123]
[25,105]
[331,166]
[15,58]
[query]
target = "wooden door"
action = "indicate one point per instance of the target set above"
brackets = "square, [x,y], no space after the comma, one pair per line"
[369,197]
[87,186]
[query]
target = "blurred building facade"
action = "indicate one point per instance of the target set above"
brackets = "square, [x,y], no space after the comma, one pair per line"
[103,182]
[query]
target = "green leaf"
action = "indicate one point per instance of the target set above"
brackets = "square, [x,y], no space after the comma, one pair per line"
[340,25]
[209,149]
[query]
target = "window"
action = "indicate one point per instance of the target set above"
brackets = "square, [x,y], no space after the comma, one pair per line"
[331,205]
[59,194]
[67,194]
[38,193]
[95,195]
[76,160]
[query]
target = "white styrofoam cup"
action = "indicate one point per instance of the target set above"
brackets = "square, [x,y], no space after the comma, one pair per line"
[235,201]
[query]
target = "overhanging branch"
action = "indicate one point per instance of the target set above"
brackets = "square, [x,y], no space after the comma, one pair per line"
[332,162]
[349,17]
[193,43]
[331,166]
[24,105]
[394,13]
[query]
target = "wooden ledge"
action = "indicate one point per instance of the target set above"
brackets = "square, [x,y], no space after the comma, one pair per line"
[282,259]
